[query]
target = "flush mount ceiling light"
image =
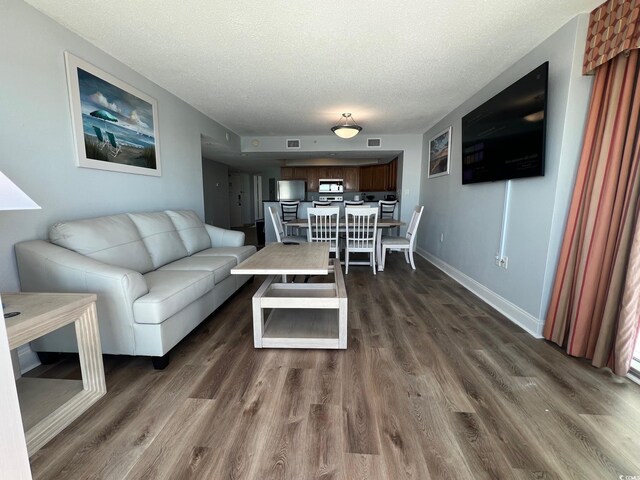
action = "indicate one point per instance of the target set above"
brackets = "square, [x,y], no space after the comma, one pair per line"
[346,130]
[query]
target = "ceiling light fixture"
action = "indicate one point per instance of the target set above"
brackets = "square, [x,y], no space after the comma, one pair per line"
[346,130]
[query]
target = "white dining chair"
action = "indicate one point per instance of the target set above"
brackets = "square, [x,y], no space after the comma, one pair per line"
[323,227]
[405,243]
[361,226]
[279,229]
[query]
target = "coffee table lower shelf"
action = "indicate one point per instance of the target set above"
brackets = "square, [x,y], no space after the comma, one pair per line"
[303,315]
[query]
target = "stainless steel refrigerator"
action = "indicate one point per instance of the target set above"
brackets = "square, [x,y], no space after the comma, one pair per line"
[292,190]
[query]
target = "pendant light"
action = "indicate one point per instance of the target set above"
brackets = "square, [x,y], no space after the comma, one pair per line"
[346,130]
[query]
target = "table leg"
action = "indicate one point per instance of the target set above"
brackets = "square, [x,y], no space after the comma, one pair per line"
[379,249]
[258,323]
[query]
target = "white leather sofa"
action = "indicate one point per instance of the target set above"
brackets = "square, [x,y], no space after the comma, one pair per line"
[157,276]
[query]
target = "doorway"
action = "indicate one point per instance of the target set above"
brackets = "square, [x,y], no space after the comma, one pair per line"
[236,199]
[257,197]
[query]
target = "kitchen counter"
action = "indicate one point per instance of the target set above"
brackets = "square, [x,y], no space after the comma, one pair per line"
[269,232]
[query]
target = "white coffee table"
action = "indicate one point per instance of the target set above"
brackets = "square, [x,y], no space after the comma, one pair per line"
[303,315]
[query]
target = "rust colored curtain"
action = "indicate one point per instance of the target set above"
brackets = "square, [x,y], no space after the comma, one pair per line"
[594,310]
[614,27]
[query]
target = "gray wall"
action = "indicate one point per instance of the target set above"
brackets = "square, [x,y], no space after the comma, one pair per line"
[470,216]
[36,145]
[215,178]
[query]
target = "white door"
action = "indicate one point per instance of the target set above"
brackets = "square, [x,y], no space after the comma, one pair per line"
[236,199]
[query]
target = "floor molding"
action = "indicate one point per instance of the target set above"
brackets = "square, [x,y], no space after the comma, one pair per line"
[525,320]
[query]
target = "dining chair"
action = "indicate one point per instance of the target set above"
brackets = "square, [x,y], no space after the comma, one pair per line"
[405,243]
[323,227]
[353,203]
[361,225]
[279,229]
[289,212]
[318,203]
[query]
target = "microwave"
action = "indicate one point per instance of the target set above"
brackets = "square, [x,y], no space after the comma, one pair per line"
[331,185]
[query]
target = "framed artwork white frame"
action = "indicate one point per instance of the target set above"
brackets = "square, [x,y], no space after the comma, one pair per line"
[115,125]
[440,154]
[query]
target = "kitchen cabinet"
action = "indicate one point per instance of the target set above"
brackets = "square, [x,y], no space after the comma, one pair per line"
[312,179]
[370,178]
[351,179]
[373,178]
[392,176]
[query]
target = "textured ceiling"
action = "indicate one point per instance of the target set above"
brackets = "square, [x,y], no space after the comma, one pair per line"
[291,68]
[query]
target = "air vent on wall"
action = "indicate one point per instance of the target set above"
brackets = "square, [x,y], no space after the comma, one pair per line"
[374,142]
[293,143]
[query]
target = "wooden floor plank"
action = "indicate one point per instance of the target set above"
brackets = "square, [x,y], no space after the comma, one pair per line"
[434,384]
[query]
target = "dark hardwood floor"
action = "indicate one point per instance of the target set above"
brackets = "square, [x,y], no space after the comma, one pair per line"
[434,384]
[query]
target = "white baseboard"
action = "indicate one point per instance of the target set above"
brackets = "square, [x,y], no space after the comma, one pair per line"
[524,320]
[27,358]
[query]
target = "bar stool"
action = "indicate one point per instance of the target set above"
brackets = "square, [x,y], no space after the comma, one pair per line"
[388,210]
[289,212]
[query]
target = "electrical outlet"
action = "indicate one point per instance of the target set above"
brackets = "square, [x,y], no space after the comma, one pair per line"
[501,262]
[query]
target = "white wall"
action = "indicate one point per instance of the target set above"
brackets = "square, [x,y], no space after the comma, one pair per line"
[216,193]
[470,216]
[36,146]
[411,159]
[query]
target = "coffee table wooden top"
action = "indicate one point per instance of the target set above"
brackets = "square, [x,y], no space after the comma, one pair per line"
[281,259]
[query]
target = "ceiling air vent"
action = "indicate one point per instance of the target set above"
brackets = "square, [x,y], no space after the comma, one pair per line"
[374,142]
[293,144]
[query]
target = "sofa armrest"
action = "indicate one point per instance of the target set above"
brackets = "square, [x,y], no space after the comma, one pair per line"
[44,267]
[221,237]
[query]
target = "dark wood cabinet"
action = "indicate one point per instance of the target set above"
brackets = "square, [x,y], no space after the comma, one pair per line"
[312,179]
[374,178]
[351,179]
[392,176]
[370,178]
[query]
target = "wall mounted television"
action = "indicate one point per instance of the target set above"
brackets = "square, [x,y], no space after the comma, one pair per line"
[504,137]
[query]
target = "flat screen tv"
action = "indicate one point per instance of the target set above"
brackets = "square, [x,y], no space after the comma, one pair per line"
[504,137]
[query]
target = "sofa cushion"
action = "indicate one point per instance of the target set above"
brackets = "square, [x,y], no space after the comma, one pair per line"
[114,240]
[219,266]
[191,230]
[239,253]
[169,292]
[159,236]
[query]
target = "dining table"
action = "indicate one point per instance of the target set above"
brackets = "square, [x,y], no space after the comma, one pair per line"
[342,224]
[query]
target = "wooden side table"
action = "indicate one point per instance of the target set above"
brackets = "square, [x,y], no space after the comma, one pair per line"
[49,405]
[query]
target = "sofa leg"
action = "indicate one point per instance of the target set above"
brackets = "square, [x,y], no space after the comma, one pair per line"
[160,363]
[48,358]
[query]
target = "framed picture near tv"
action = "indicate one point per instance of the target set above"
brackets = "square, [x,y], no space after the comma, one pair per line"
[439,154]
[504,138]
[115,124]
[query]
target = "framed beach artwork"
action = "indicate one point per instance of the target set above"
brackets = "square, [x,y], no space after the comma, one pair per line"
[115,125]
[440,154]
